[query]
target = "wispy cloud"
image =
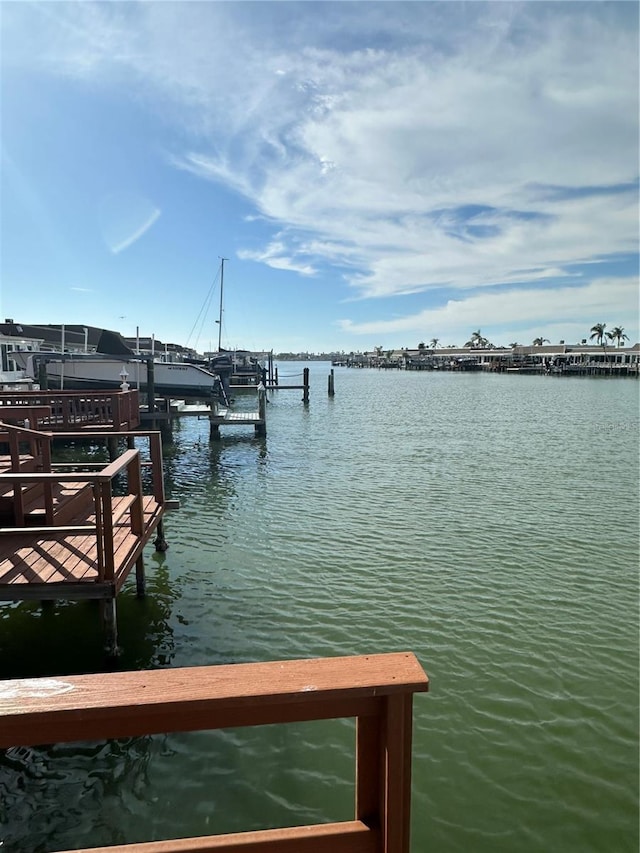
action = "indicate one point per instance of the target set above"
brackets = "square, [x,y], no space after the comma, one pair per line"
[415,146]
[278,256]
[515,314]
[124,218]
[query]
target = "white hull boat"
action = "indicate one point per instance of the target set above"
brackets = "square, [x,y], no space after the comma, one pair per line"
[172,380]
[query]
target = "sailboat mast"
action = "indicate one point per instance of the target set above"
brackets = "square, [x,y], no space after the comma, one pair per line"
[222,260]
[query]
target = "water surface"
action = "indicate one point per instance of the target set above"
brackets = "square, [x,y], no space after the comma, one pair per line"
[489,523]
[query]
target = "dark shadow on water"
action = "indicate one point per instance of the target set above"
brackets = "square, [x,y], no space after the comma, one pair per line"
[66,637]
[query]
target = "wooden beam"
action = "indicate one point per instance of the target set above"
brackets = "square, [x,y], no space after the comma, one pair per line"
[121,704]
[346,837]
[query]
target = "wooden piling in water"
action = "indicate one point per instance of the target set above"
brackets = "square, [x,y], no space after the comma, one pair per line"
[110,624]
[331,385]
[261,427]
[305,385]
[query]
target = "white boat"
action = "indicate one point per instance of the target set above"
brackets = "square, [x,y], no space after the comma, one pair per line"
[86,372]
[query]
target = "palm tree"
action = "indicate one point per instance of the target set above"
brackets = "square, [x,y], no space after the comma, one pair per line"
[515,344]
[476,339]
[617,334]
[538,342]
[598,332]
[433,343]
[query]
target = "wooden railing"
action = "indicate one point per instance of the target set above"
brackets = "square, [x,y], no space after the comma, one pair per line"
[90,493]
[130,436]
[37,444]
[80,409]
[375,689]
[55,518]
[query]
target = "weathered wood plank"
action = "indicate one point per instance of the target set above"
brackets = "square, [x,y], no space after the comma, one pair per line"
[121,704]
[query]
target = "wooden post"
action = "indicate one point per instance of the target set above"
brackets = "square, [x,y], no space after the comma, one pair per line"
[110,625]
[331,387]
[43,379]
[112,445]
[141,584]
[396,737]
[160,542]
[305,385]
[116,411]
[261,428]
[151,391]
[214,429]
[276,376]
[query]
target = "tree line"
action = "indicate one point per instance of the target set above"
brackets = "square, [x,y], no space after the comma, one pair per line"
[478,341]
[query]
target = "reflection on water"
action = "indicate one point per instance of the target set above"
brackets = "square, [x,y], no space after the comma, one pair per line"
[489,523]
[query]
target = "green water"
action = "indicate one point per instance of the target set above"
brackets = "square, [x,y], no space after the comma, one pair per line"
[489,523]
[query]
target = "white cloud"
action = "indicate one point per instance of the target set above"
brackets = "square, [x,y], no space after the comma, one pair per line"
[412,145]
[516,314]
[277,256]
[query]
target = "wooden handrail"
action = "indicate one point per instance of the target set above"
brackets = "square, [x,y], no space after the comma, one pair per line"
[376,689]
[49,531]
[28,433]
[71,409]
[105,474]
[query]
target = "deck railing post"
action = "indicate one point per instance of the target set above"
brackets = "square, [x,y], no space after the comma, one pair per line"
[116,410]
[107,531]
[134,477]
[97,503]
[369,776]
[396,741]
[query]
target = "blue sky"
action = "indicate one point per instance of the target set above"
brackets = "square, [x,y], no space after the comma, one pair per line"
[376,173]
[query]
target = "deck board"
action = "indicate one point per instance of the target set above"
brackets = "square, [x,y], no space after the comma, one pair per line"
[72,558]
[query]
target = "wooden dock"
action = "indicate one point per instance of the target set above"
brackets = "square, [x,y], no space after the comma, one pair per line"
[375,689]
[65,531]
[221,416]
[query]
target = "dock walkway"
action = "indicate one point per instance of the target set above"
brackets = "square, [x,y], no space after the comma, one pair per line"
[221,416]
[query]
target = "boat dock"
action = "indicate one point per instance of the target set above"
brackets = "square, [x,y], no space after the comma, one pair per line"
[76,530]
[221,416]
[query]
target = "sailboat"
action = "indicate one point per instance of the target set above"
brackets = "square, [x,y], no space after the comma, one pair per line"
[240,367]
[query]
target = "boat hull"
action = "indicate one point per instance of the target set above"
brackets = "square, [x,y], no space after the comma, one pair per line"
[171,380]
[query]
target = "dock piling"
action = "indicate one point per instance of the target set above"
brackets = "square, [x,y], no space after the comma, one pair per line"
[141,583]
[110,623]
[261,427]
[305,385]
[331,385]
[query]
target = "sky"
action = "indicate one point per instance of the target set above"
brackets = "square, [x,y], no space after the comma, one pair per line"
[374,173]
